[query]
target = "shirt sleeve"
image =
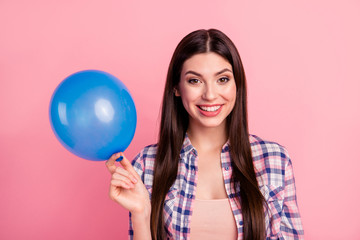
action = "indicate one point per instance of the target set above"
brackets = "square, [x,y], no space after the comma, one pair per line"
[291,226]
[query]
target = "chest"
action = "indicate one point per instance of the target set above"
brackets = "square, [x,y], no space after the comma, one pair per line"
[210,180]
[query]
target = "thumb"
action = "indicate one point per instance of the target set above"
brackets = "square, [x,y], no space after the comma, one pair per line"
[126,164]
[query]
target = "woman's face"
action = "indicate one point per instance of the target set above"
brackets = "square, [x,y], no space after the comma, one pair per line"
[207,89]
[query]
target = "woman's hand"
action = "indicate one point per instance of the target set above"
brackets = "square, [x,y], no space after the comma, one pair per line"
[126,187]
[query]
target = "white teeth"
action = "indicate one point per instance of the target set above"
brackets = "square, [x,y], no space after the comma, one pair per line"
[210,109]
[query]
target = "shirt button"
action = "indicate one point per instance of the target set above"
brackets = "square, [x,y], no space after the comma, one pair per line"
[227,168]
[190,196]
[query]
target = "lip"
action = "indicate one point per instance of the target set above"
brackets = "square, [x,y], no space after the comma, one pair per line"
[210,114]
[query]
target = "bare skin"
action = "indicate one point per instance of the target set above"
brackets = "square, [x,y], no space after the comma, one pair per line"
[210,184]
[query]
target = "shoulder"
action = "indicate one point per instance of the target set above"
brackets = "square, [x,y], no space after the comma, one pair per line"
[147,154]
[270,160]
[261,147]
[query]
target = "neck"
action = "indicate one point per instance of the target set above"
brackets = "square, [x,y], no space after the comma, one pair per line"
[207,138]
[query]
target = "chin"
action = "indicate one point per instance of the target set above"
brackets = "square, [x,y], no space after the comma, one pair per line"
[212,124]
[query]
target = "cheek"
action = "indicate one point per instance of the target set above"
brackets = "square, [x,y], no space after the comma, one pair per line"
[230,93]
[186,100]
[189,95]
[231,97]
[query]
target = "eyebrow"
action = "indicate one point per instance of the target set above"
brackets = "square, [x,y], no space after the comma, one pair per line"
[218,73]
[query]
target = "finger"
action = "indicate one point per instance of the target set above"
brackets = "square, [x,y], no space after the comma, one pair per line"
[121,183]
[127,166]
[111,162]
[117,176]
[114,192]
[126,173]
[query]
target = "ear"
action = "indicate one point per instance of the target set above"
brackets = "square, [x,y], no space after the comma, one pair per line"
[177,92]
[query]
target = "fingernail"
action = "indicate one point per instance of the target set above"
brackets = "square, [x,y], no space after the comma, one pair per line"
[134,180]
[120,158]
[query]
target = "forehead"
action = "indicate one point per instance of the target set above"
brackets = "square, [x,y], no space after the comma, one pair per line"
[206,63]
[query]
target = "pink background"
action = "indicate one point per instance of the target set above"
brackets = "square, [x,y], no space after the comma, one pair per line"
[302,65]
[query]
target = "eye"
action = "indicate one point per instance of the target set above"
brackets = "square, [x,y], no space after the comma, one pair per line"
[193,81]
[223,80]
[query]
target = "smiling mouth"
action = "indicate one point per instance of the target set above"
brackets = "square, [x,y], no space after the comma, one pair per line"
[210,109]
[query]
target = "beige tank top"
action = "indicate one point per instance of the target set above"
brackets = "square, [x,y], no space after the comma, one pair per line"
[212,219]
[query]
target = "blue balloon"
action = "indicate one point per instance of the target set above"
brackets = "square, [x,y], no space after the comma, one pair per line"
[93,115]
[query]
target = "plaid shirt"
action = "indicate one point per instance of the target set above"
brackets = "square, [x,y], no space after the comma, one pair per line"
[274,174]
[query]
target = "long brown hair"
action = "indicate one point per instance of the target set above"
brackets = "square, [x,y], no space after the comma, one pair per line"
[174,123]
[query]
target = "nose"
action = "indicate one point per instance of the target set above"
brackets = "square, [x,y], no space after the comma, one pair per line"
[209,92]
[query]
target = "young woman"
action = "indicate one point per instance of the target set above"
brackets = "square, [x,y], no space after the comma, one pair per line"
[207,177]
